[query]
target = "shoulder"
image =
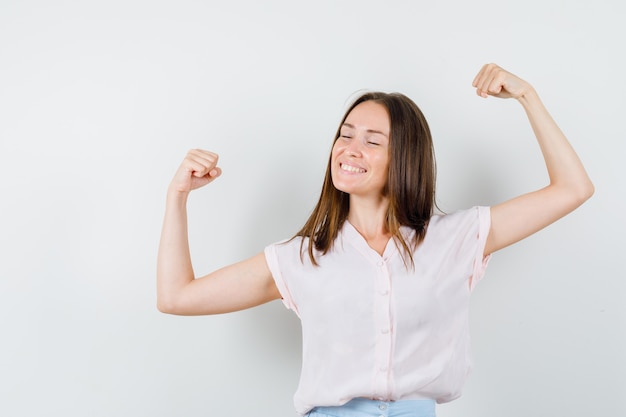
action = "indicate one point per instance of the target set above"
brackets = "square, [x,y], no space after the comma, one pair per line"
[287,245]
[459,225]
[288,251]
[460,218]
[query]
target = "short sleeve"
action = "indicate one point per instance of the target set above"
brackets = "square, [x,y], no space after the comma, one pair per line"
[481,261]
[272,254]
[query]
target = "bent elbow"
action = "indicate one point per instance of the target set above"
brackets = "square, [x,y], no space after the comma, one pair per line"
[167,306]
[591,189]
[585,191]
[577,195]
[163,307]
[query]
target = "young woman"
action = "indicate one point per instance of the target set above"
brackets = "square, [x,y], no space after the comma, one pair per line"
[380,283]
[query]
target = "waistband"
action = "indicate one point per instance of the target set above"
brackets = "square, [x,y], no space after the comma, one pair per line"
[362,407]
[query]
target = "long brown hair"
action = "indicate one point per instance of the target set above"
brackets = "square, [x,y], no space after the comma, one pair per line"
[410,180]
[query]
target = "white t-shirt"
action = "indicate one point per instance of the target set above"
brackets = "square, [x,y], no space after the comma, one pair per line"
[374,328]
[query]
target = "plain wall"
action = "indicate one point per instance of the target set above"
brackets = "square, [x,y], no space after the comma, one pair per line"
[100,101]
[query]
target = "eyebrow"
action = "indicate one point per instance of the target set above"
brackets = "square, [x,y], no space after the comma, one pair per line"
[368,130]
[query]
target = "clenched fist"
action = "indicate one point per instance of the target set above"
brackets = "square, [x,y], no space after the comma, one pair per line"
[197,170]
[492,80]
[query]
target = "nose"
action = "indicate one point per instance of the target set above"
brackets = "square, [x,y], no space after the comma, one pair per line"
[354,147]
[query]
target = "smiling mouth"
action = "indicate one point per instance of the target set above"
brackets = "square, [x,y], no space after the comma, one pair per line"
[350,168]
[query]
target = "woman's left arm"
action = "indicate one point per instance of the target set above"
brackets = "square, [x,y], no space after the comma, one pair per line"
[569,187]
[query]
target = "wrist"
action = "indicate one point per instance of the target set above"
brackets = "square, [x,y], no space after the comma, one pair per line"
[528,97]
[175,196]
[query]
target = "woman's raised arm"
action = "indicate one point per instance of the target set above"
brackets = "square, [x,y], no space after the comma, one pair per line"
[569,185]
[236,287]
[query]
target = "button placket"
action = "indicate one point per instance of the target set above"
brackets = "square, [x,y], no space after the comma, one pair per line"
[383,329]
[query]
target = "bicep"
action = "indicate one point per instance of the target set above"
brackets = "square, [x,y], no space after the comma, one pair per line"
[522,216]
[239,286]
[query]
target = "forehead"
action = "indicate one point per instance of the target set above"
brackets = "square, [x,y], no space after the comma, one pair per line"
[369,115]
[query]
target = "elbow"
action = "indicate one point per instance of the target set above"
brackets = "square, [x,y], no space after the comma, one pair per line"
[581,193]
[572,195]
[585,191]
[163,307]
[167,305]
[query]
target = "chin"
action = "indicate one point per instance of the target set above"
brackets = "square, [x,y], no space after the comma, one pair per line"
[342,189]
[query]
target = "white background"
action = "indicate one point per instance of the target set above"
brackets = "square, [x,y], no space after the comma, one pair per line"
[99,102]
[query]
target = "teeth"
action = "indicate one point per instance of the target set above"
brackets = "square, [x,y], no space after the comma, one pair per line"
[350,168]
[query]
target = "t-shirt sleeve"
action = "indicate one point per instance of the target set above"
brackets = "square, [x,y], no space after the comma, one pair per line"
[272,254]
[481,261]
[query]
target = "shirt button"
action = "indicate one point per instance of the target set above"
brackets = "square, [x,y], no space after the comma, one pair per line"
[384,331]
[384,292]
[380,263]
[382,407]
[383,369]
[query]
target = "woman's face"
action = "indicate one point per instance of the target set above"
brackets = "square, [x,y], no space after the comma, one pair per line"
[360,156]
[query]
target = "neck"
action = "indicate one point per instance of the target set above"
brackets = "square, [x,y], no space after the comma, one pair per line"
[368,216]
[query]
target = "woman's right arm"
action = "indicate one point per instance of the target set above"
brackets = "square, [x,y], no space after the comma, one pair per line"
[235,287]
